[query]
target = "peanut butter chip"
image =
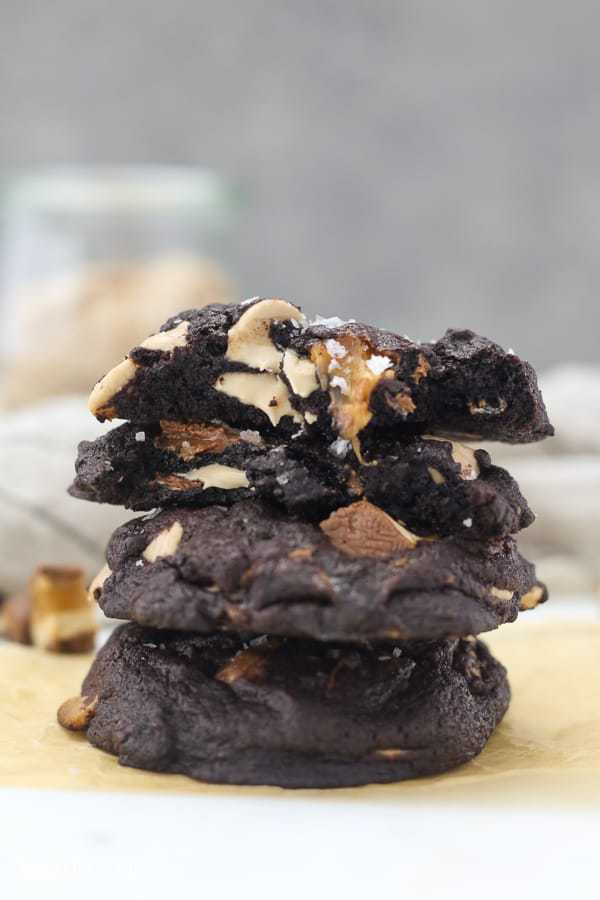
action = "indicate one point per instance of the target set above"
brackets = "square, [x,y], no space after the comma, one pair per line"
[531,599]
[363,529]
[77,713]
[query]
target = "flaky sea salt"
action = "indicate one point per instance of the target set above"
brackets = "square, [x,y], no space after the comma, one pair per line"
[259,641]
[378,364]
[468,522]
[140,436]
[339,447]
[339,382]
[325,322]
[251,437]
[335,349]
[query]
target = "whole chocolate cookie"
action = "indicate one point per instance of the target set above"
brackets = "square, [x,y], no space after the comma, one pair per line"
[432,485]
[258,365]
[359,575]
[287,712]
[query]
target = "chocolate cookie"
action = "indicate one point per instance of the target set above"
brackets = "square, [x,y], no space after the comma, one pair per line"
[359,575]
[432,485]
[287,712]
[258,365]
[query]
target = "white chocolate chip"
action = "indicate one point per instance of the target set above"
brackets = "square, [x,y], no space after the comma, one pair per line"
[168,340]
[501,593]
[263,390]
[98,582]
[248,340]
[310,417]
[217,475]
[436,475]
[165,543]
[113,382]
[301,373]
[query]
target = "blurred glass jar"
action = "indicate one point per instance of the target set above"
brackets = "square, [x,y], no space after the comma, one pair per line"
[92,260]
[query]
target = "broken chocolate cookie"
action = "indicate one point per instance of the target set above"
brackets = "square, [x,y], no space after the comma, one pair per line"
[358,575]
[258,365]
[294,713]
[433,485]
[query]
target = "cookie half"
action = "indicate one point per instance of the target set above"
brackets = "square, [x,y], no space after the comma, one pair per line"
[298,714]
[433,485]
[258,365]
[356,576]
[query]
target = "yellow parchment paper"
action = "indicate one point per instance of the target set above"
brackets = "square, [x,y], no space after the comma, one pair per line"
[547,750]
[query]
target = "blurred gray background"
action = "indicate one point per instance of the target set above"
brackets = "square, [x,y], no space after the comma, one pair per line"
[418,163]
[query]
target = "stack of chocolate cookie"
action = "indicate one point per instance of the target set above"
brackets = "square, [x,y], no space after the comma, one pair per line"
[321,551]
